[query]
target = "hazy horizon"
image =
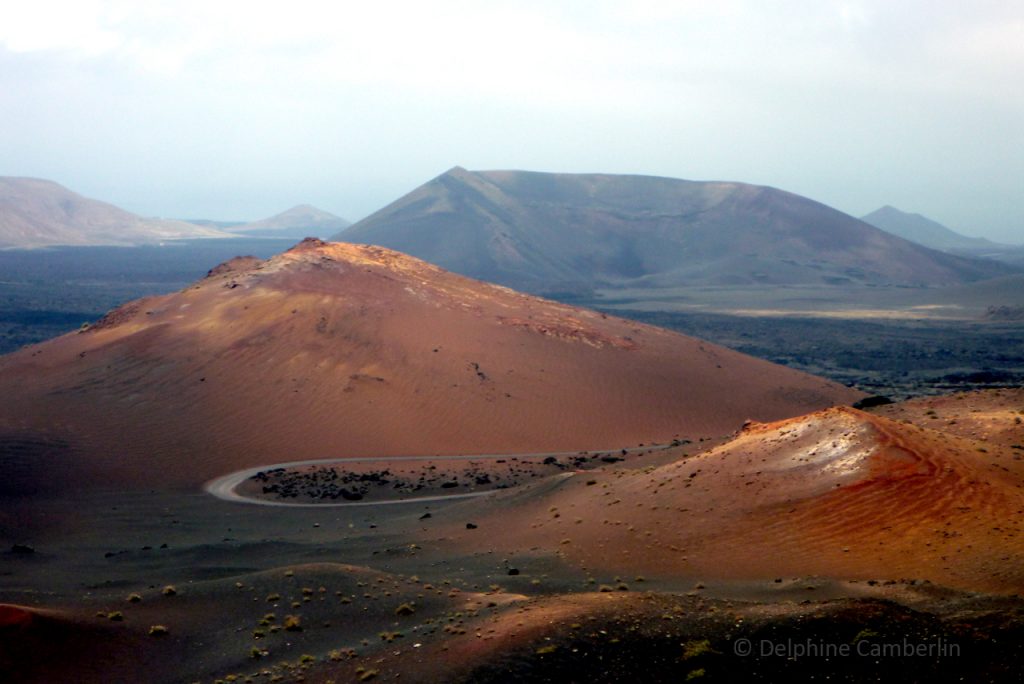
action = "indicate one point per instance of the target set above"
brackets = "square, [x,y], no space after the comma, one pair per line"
[238,111]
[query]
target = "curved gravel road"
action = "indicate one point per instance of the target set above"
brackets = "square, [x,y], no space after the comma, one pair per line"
[224,486]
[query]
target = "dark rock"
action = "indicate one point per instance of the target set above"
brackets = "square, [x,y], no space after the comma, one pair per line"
[868,402]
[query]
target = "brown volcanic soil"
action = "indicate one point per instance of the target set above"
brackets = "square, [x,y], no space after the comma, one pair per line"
[390,593]
[61,646]
[336,350]
[330,622]
[839,493]
[800,529]
[995,417]
[661,637]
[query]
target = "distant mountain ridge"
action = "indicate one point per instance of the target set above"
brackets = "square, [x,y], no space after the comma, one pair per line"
[300,221]
[546,232]
[925,231]
[40,213]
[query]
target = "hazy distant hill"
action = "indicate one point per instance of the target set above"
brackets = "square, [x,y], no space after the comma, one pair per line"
[924,231]
[209,223]
[39,213]
[298,222]
[548,232]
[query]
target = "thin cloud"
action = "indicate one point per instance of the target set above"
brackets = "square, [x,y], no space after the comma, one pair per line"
[851,102]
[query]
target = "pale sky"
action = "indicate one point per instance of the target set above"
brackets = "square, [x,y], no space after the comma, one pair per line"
[239,110]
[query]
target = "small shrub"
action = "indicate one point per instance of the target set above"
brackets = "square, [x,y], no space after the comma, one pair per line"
[293,623]
[158,631]
[134,598]
[405,609]
[694,649]
[169,590]
[865,634]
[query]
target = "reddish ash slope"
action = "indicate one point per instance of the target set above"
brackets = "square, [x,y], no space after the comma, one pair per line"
[838,493]
[337,350]
[995,417]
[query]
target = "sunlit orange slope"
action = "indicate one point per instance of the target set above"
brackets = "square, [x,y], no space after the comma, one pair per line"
[838,493]
[337,350]
[995,417]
